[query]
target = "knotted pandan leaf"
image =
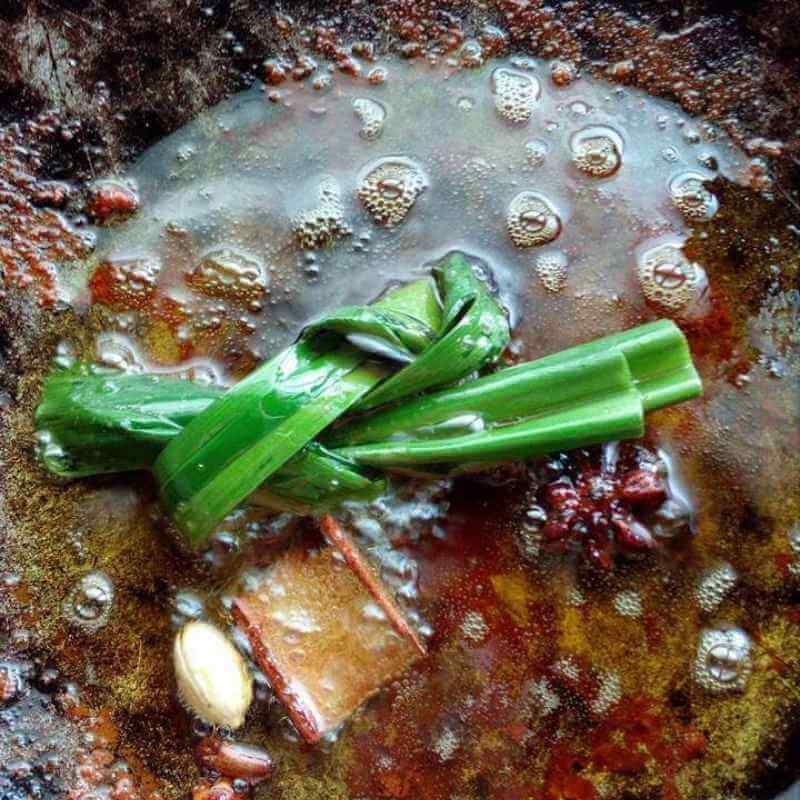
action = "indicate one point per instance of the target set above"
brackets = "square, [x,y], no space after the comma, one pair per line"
[370,369]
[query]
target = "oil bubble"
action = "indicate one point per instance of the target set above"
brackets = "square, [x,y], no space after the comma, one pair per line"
[691,197]
[515,94]
[794,542]
[186,605]
[325,222]
[597,151]
[563,73]
[474,627]
[609,692]
[723,661]
[670,154]
[377,75]
[372,116]
[579,108]
[389,189]
[12,682]
[552,270]
[794,539]
[117,352]
[713,585]
[184,153]
[628,603]
[471,54]
[532,221]
[670,281]
[535,152]
[88,605]
[229,275]
[125,282]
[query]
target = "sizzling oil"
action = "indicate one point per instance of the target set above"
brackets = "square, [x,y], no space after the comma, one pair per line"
[596,207]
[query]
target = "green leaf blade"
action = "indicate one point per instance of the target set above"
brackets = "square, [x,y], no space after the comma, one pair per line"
[617,416]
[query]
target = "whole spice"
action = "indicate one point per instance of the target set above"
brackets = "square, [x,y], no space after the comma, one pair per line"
[355,638]
[213,680]
[234,759]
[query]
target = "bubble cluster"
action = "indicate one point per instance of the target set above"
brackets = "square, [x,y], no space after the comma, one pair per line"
[568,668]
[474,627]
[325,222]
[528,537]
[35,236]
[723,661]
[471,54]
[372,115]
[111,200]
[532,221]
[713,585]
[390,188]
[515,94]
[628,603]
[541,697]
[691,197]
[563,73]
[575,597]
[126,282]
[552,270]
[535,152]
[608,694]
[446,744]
[114,350]
[669,280]
[597,151]
[230,275]
[88,605]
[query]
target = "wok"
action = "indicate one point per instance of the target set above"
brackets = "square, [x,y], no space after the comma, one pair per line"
[86,87]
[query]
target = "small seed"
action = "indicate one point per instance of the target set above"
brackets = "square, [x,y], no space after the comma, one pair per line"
[213,680]
[234,759]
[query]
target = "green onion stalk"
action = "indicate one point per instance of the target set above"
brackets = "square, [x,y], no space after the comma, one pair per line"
[388,387]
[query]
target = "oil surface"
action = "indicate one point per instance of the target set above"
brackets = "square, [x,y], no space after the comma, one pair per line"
[595,207]
[237,183]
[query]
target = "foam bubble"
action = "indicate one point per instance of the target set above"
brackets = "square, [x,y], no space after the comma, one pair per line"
[608,694]
[372,116]
[325,222]
[597,151]
[628,603]
[540,697]
[669,280]
[532,221]
[723,661]
[552,270]
[88,605]
[691,197]
[516,94]
[389,189]
[231,275]
[535,152]
[714,585]
[474,627]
